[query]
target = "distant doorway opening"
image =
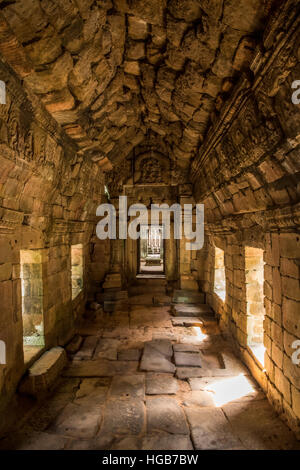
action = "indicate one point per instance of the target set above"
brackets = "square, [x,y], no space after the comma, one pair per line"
[151,258]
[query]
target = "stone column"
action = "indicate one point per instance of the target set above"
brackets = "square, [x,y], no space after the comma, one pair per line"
[115,277]
[187,280]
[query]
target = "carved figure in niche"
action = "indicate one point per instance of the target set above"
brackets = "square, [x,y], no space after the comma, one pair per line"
[151,171]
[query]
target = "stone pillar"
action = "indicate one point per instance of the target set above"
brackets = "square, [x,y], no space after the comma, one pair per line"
[115,277]
[187,280]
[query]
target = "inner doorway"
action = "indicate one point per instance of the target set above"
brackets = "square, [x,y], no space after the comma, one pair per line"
[151,258]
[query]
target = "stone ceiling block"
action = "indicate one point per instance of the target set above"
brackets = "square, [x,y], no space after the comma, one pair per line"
[151,11]
[137,28]
[169,61]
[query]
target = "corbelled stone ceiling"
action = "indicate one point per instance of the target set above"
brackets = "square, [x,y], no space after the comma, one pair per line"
[121,73]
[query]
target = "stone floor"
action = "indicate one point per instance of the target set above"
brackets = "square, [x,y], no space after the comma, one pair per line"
[147,378]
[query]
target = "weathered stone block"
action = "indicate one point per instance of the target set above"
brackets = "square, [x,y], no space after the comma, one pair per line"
[44,372]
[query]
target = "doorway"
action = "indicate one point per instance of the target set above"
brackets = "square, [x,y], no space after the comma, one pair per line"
[151,259]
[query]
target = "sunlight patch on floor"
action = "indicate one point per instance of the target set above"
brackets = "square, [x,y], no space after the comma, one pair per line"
[230,389]
[201,336]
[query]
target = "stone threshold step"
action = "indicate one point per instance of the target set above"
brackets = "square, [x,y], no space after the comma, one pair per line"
[187,321]
[112,295]
[191,310]
[188,297]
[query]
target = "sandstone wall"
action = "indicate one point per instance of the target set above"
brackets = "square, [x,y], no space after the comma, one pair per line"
[48,199]
[247,175]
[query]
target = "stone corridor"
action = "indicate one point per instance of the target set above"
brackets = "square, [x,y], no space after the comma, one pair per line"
[156,374]
[149,224]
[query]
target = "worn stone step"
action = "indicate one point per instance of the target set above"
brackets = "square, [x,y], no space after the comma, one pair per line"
[112,295]
[191,310]
[144,289]
[43,374]
[188,297]
[112,281]
[161,299]
[150,282]
[187,321]
[142,299]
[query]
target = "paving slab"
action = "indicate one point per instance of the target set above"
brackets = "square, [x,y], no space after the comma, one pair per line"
[129,354]
[117,333]
[204,383]
[123,417]
[199,398]
[188,359]
[34,441]
[191,339]
[186,347]
[211,430]
[233,364]
[128,443]
[92,392]
[99,442]
[164,441]
[164,333]
[100,368]
[67,385]
[161,384]
[229,389]
[131,386]
[212,360]
[183,373]
[107,348]
[46,414]
[189,372]
[165,414]
[258,427]
[77,421]
[164,346]
[154,361]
